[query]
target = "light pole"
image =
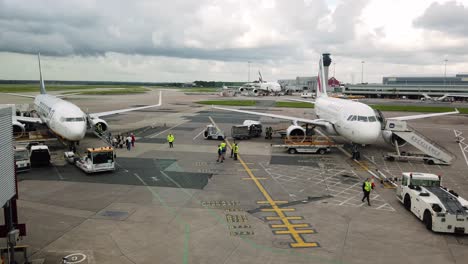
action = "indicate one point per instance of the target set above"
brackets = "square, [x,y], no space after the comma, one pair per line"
[249,72]
[334,66]
[362,72]
[445,71]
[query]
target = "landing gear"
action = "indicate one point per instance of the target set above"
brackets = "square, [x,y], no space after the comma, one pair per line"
[72,147]
[355,151]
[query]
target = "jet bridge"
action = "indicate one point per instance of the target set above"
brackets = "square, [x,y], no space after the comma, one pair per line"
[431,152]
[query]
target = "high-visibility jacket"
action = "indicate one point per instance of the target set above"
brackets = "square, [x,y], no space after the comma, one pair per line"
[367,186]
[236,149]
[170,138]
[223,146]
[220,150]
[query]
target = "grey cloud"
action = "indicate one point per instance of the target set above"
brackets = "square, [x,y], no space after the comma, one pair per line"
[168,27]
[451,17]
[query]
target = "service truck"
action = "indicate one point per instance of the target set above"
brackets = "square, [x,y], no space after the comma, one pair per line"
[22,161]
[247,130]
[94,160]
[440,209]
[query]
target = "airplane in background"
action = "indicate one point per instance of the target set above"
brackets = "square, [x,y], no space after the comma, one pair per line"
[355,121]
[261,87]
[445,97]
[63,118]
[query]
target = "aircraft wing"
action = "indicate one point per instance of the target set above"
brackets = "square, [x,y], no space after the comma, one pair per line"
[458,95]
[22,95]
[101,114]
[25,119]
[317,122]
[413,117]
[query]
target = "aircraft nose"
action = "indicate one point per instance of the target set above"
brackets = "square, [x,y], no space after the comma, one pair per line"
[77,131]
[370,134]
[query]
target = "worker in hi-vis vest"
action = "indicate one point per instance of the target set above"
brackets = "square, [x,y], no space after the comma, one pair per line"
[366,188]
[235,149]
[170,139]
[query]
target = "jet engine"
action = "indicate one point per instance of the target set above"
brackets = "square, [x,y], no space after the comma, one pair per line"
[18,129]
[255,91]
[390,138]
[241,89]
[296,133]
[99,125]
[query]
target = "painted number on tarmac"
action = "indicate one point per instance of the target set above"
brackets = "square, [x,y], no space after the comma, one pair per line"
[75,258]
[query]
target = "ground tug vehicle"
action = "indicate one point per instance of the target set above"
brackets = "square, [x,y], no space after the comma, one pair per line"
[94,160]
[22,161]
[440,209]
[212,132]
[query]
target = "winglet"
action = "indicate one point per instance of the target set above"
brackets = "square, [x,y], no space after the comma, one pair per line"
[42,86]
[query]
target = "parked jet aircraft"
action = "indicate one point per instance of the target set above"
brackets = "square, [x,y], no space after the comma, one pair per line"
[355,121]
[261,87]
[64,118]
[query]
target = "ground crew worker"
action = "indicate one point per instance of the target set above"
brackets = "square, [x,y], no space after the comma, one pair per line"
[236,150]
[232,149]
[170,139]
[366,188]
[223,146]
[220,154]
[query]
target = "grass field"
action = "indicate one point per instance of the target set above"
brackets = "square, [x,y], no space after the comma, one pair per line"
[200,90]
[294,104]
[25,88]
[229,102]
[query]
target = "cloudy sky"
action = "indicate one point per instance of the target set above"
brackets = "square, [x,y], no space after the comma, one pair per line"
[187,40]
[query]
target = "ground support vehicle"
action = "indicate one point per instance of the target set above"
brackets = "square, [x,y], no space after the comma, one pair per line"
[247,130]
[22,161]
[39,155]
[311,144]
[440,209]
[94,160]
[211,132]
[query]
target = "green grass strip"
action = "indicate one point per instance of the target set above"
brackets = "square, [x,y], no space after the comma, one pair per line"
[294,104]
[229,102]
[116,91]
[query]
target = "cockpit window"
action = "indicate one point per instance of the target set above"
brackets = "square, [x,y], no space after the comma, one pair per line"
[372,119]
[74,119]
[362,118]
[354,118]
[349,118]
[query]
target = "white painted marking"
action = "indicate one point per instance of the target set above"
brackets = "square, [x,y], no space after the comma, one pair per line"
[59,174]
[155,179]
[75,258]
[199,134]
[461,140]
[164,131]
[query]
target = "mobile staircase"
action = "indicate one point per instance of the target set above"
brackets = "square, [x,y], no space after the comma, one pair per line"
[431,152]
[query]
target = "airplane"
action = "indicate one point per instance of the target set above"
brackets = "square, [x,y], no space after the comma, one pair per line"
[261,87]
[63,118]
[445,97]
[355,121]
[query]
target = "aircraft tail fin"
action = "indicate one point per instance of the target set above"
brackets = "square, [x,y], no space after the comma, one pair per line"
[260,77]
[42,86]
[322,78]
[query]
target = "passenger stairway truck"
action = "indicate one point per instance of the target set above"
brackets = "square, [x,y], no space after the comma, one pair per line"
[440,209]
[310,144]
[431,152]
[94,160]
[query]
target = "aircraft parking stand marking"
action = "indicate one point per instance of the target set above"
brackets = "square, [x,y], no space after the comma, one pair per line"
[291,230]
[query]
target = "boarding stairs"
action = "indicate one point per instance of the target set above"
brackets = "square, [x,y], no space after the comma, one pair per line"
[429,148]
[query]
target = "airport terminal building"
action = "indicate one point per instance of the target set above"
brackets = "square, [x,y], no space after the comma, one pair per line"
[411,87]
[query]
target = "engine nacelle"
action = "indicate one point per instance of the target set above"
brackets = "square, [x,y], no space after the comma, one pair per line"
[99,125]
[329,129]
[255,91]
[296,133]
[18,129]
[241,89]
[390,138]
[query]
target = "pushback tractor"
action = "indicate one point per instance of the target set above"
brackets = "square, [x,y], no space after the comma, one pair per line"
[440,209]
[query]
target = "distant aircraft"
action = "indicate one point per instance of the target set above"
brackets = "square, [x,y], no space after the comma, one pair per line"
[261,87]
[355,121]
[445,97]
[65,119]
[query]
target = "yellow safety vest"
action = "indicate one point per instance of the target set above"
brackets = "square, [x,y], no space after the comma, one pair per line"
[236,149]
[367,186]
[170,138]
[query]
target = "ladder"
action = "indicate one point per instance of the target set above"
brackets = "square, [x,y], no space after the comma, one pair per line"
[428,147]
